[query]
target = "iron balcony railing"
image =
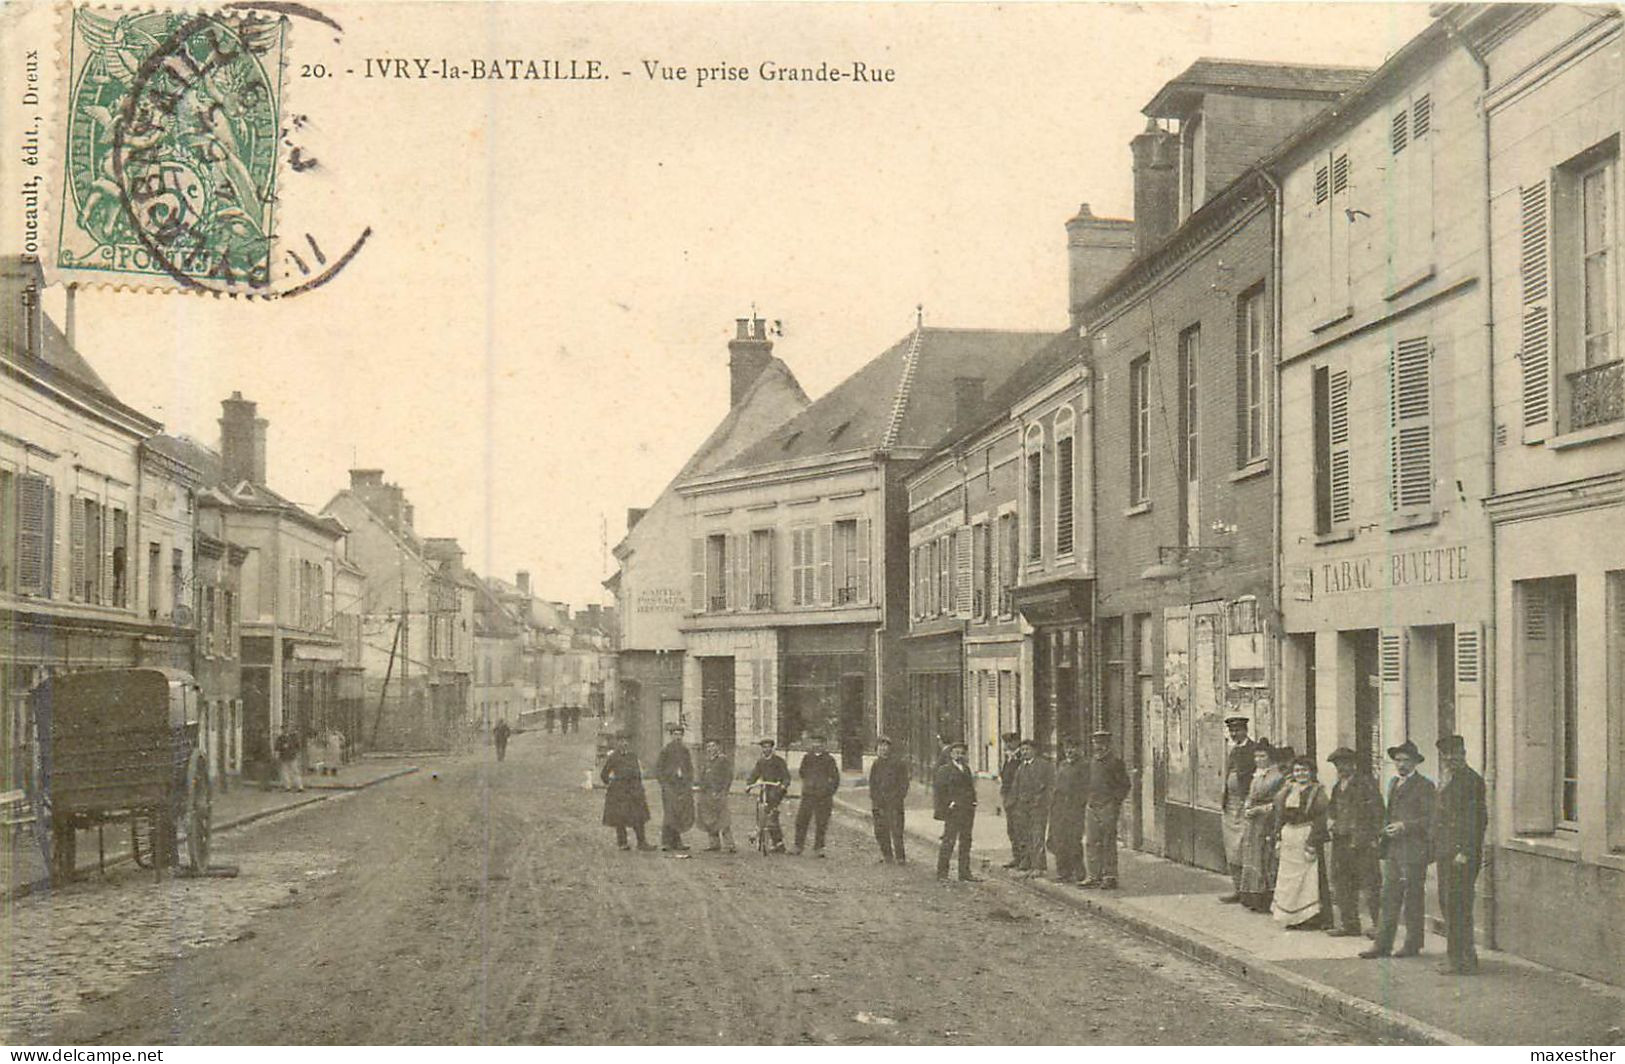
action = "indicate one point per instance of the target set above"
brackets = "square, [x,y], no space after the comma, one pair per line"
[719,603]
[1597,394]
[845,596]
[761,601]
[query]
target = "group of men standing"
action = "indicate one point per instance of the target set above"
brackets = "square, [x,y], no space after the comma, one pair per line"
[1381,846]
[568,718]
[1068,809]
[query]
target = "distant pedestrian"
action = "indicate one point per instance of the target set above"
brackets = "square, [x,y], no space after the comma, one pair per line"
[1007,781]
[1302,900]
[1035,782]
[1066,812]
[888,790]
[954,803]
[712,812]
[820,779]
[1405,854]
[1354,818]
[1108,786]
[499,735]
[625,805]
[548,717]
[770,769]
[1239,766]
[1257,848]
[674,768]
[289,750]
[1459,818]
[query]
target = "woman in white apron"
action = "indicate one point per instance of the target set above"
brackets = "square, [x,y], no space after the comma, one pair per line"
[1301,834]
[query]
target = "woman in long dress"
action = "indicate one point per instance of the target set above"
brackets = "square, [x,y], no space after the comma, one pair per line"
[1301,835]
[1257,856]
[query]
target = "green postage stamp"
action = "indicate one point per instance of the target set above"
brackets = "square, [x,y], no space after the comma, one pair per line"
[170,161]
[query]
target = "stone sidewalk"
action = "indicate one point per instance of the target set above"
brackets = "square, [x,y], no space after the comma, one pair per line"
[1510,1002]
[22,870]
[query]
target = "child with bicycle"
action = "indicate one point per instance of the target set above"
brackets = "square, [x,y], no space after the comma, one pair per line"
[771,776]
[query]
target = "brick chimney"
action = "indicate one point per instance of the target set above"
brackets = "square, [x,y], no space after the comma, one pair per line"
[521,579]
[386,500]
[1096,250]
[242,440]
[1156,186]
[749,353]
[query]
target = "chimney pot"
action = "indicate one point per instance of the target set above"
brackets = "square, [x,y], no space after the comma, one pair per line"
[742,332]
[749,353]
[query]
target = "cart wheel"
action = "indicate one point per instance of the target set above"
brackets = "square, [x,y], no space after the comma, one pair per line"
[197,814]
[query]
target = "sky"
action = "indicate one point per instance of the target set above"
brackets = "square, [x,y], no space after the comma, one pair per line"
[534,337]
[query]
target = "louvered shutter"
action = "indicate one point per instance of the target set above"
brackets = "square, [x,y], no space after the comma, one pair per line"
[1536,333]
[739,564]
[1470,681]
[1341,231]
[1410,426]
[33,535]
[962,596]
[696,587]
[1391,668]
[76,549]
[826,575]
[1534,808]
[105,589]
[1064,495]
[865,580]
[1338,458]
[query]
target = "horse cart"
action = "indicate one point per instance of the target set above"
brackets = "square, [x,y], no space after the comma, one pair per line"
[118,745]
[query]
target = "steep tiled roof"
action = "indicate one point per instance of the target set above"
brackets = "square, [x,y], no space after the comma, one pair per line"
[1253,77]
[775,372]
[904,398]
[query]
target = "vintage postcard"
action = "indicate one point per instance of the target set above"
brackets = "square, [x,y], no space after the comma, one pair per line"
[750,524]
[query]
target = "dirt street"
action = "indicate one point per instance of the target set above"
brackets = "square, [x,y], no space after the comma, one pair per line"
[477,902]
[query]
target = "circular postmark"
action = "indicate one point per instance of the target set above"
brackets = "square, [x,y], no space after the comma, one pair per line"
[174,148]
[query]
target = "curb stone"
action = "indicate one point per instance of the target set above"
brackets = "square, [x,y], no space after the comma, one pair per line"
[22,890]
[1296,989]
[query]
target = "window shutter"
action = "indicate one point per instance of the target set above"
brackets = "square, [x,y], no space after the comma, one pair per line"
[1469,676]
[1399,137]
[826,575]
[1391,668]
[1410,423]
[1534,808]
[864,581]
[1421,116]
[1337,407]
[33,535]
[76,549]
[770,576]
[1322,184]
[1536,339]
[962,572]
[696,587]
[739,561]
[1064,479]
[105,521]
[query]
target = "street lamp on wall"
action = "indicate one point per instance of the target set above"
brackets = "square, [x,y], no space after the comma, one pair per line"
[1174,562]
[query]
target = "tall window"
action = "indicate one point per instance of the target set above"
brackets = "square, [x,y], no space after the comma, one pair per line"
[803,567]
[945,574]
[1334,504]
[1546,792]
[155,555]
[761,569]
[1252,409]
[177,578]
[121,542]
[1064,474]
[1010,555]
[1410,425]
[1596,264]
[1139,429]
[978,570]
[1035,493]
[1190,425]
[851,538]
[716,571]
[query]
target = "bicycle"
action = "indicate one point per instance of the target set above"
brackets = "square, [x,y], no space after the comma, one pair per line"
[761,837]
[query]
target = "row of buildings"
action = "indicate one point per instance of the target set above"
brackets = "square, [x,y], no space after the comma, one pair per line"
[121,545]
[1335,440]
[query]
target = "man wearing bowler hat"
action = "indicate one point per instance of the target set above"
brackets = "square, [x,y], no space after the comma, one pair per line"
[1405,852]
[1108,786]
[674,768]
[1007,782]
[1238,780]
[1459,819]
[1355,817]
[1035,785]
[954,803]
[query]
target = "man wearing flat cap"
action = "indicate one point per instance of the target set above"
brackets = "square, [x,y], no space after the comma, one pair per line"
[1405,853]
[1007,782]
[1239,766]
[954,803]
[674,768]
[1459,818]
[1108,786]
[1355,817]
[888,788]
[1035,785]
[820,779]
[773,774]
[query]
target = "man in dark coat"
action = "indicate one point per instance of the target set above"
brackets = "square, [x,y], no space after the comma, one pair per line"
[1108,786]
[1405,853]
[499,735]
[771,771]
[1007,782]
[1238,780]
[1459,818]
[1355,817]
[1066,813]
[674,768]
[624,803]
[1035,782]
[888,787]
[954,803]
[820,779]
